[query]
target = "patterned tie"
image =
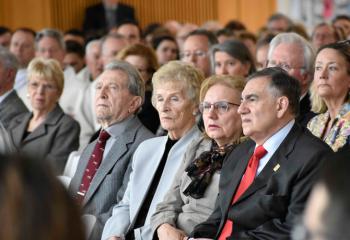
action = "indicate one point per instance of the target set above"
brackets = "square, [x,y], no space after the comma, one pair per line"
[93,164]
[246,181]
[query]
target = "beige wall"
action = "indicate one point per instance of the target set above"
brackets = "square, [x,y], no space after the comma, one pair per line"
[65,14]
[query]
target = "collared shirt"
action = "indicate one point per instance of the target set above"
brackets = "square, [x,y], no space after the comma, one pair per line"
[272,144]
[2,97]
[115,130]
[21,79]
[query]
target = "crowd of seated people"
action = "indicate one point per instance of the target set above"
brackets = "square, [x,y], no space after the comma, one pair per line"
[179,131]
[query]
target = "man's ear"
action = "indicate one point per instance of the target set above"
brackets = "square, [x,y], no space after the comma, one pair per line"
[282,106]
[135,104]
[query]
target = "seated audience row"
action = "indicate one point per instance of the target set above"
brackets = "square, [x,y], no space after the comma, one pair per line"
[166,187]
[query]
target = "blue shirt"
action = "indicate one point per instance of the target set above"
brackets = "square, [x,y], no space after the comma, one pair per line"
[272,144]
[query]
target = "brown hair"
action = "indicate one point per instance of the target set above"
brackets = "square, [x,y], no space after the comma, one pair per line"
[141,50]
[33,204]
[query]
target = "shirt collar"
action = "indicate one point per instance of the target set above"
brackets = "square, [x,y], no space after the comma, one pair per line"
[117,129]
[276,139]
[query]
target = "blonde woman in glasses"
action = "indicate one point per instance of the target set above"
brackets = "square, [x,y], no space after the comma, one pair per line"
[191,199]
[47,132]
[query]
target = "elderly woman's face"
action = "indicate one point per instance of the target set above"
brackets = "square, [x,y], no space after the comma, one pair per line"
[222,125]
[43,93]
[174,107]
[225,64]
[331,78]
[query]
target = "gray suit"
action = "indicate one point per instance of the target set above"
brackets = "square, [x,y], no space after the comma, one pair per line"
[53,139]
[106,187]
[145,163]
[6,144]
[11,107]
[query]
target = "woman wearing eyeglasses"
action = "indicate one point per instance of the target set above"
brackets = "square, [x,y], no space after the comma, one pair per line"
[191,199]
[47,132]
[330,95]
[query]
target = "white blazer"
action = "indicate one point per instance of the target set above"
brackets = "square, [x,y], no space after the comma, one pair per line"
[145,163]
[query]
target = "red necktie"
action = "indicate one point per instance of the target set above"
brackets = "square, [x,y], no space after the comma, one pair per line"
[246,181]
[93,164]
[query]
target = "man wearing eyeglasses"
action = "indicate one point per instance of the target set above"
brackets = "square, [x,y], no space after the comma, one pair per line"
[196,49]
[266,180]
[294,54]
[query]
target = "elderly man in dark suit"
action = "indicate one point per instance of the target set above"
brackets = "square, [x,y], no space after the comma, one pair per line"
[10,104]
[103,164]
[261,193]
[100,18]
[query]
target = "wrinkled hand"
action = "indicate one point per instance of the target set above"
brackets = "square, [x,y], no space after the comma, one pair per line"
[114,238]
[168,232]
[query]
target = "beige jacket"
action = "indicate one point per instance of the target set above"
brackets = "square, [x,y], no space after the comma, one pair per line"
[185,212]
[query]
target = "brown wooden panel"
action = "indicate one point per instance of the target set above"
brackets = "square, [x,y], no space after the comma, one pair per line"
[254,13]
[65,14]
[195,11]
[30,13]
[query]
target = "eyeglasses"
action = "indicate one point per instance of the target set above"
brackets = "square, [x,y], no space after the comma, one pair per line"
[220,107]
[284,66]
[46,87]
[197,53]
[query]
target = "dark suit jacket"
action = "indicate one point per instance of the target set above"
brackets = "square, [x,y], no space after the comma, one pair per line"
[149,115]
[106,187]
[269,206]
[11,107]
[53,140]
[305,113]
[95,18]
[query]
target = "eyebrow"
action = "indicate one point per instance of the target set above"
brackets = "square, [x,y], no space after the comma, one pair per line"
[249,96]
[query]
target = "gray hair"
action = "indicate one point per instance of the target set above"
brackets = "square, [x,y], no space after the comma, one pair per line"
[8,59]
[235,49]
[179,72]
[136,85]
[90,44]
[294,38]
[52,33]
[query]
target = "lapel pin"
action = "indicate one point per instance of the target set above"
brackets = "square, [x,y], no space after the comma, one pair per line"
[276,167]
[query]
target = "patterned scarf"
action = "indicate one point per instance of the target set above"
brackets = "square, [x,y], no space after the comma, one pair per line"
[202,169]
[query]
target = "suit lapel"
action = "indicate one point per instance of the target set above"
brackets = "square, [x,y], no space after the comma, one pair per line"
[119,148]
[279,157]
[52,119]
[5,104]
[145,178]
[237,173]
[20,128]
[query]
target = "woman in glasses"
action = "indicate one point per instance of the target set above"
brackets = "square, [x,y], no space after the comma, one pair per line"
[232,58]
[330,95]
[191,199]
[47,132]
